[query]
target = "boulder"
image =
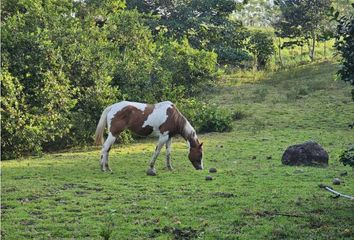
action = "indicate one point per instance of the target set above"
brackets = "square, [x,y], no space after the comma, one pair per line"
[306,154]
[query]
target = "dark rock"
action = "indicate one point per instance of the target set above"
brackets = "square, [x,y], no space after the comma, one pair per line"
[212,170]
[342,174]
[269,157]
[208,178]
[254,157]
[307,154]
[151,172]
[337,181]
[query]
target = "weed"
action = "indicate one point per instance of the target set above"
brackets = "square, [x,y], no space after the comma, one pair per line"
[238,115]
[107,228]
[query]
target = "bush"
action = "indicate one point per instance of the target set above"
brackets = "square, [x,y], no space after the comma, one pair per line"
[206,118]
[347,157]
[187,67]
[262,47]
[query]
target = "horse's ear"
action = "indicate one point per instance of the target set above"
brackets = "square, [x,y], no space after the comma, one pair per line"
[200,145]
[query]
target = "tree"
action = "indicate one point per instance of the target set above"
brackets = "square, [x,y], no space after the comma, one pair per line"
[302,19]
[345,45]
[206,25]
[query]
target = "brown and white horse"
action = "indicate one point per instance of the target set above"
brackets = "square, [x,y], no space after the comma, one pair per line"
[162,119]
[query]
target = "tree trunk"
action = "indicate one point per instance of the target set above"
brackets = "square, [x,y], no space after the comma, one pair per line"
[280,57]
[312,50]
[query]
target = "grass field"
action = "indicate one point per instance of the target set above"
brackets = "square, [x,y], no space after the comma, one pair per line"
[252,195]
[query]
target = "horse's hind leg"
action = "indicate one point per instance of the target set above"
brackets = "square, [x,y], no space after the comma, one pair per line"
[105,150]
[168,154]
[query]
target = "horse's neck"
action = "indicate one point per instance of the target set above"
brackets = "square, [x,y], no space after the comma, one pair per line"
[189,134]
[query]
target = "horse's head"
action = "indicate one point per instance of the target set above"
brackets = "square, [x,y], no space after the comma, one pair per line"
[196,156]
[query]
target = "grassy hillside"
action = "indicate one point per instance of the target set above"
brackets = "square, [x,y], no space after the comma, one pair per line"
[252,196]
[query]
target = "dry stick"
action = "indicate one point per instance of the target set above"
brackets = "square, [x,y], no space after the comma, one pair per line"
[328,188]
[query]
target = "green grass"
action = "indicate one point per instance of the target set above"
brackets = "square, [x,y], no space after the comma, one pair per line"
[252,196]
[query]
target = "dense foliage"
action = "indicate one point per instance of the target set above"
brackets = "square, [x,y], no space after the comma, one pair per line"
[63,62]
[345,45]
[205,23]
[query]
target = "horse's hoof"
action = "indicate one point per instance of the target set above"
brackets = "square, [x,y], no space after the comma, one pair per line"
[151,172]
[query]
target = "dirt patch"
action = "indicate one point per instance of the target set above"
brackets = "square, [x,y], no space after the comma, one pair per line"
[224,195]
[177,233]
[80,193]
[27,222]
[28,199]
[271,214]
[21,177]
[67,186]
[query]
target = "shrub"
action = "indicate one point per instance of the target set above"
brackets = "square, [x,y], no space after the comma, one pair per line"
[347,157]
[206,118]
[188,67]
[262,47]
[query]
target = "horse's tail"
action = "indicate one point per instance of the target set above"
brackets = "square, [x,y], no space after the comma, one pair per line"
[101,126]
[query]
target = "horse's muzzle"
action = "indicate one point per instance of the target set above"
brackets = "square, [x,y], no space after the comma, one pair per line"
[198,168]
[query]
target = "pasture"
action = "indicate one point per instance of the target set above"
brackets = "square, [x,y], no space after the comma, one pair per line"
[252,195]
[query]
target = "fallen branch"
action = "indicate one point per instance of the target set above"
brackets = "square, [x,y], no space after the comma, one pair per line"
[338,194]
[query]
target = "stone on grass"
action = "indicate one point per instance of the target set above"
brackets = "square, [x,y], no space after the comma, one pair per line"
[337,181]
[344,173]
[208,178]
[306,154]
[212,170]
[151,172]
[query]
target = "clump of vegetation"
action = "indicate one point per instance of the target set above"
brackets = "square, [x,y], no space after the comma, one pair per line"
[260,94]
[238,115]
[347,157]
[345,45]
[262,47]
[207,118]
[107,228]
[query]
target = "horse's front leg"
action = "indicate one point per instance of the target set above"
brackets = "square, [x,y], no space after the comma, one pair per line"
[162,141]
[168,154]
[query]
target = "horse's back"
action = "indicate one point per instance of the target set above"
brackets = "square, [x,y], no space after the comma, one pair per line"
[141,118]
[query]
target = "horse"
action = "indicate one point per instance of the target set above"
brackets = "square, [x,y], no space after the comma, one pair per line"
[162,119]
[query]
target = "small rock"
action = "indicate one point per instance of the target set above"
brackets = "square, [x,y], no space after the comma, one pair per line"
[337,181]
[212,170]
[208,178]
[254,157]
[269,157]
[299,171]
[342,174]
[151,172]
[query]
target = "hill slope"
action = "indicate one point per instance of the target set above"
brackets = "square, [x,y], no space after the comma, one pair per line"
[252,195]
